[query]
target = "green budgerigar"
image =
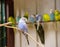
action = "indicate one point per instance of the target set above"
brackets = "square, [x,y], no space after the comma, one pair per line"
[56,13]
[59,16]
[26,15]
[11,19]
[46,17]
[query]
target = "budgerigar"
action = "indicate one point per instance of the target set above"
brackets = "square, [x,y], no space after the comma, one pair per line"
[32,18]
[46,17]
[39,28]
[23,26]
[11,19]
[51,15]
[56,13]
[59,17]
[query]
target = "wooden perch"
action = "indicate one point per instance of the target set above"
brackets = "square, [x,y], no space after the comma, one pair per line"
[5,24]
[27,23]
[27,34]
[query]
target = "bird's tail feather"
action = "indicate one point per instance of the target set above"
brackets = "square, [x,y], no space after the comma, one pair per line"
[27,39]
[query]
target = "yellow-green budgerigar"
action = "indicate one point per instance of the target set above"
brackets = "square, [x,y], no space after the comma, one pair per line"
[11,19]
[46,17]
[56,13]
[26,15]
[59,16]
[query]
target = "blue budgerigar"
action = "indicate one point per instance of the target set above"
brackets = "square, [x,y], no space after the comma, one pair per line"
[23,26]
[39,28]
[32,18]
[51,15]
